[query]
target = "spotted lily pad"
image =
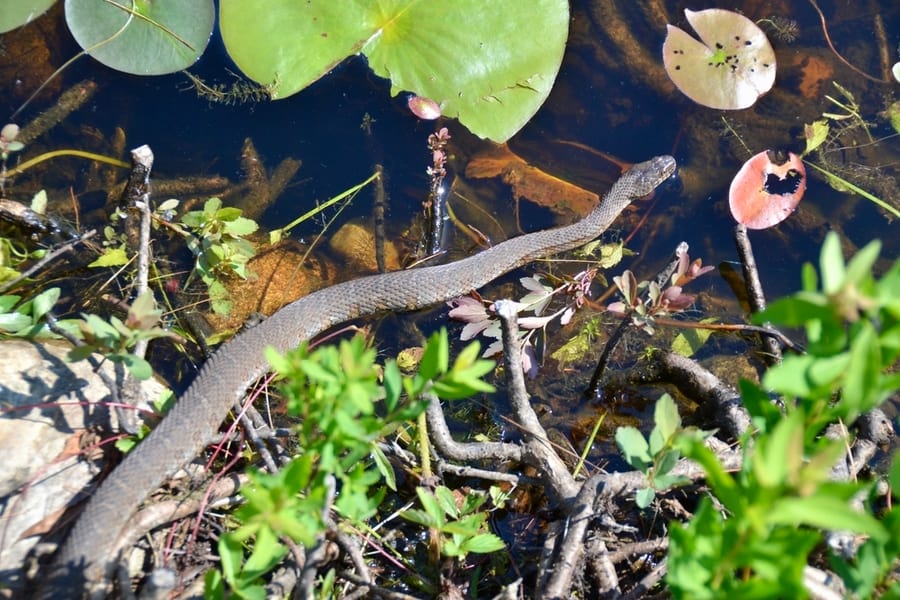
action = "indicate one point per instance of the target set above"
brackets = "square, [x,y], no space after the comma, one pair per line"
[730,67]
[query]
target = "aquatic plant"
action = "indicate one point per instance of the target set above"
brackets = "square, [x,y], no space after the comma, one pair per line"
[142,38]
[18,13]
[730,67]
[767,189]
[477,60]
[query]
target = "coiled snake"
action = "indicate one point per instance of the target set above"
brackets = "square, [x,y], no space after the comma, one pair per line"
[91,550]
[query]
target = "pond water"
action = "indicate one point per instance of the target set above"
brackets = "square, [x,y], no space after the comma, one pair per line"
[603,101]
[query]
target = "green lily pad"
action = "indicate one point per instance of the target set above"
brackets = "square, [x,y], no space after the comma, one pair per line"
[16,13]
[489,64]
[164,36]
[732,67]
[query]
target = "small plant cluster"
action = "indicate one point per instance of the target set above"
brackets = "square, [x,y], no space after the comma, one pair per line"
[755,541]
[346,404]
[656,455]
[216,238]
[114,338]
[476,314]
[662,299]
[437,143]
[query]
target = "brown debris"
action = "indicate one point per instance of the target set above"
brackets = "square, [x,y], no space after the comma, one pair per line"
[532,183]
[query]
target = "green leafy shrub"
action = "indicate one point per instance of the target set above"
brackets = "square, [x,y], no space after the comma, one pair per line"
[345,404]
[773,512]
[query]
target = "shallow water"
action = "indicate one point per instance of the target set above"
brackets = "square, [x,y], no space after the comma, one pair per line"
[598,103]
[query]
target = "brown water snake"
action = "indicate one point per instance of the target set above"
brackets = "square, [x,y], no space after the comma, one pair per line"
[91,549]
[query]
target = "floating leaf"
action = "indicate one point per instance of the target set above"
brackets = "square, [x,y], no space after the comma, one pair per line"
[767,189]
[424,108]
[16,13]
[164,36]
[732,67]
[815,134]
[479,61]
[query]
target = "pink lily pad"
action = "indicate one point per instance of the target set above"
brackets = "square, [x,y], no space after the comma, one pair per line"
[767,189]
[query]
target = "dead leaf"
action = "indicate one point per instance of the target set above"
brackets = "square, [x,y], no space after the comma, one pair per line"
[532,183]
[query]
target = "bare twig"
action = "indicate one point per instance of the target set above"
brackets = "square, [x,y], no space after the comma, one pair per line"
[754,288]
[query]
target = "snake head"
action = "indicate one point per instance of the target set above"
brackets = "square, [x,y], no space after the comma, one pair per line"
[648,175]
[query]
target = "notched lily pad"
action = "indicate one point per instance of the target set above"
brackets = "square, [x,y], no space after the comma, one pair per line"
[489,64]
[767,189]
[730,67]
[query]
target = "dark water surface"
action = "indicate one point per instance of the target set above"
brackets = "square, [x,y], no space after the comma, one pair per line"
[598,102]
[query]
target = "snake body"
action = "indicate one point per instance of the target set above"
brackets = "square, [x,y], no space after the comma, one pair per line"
[91,550]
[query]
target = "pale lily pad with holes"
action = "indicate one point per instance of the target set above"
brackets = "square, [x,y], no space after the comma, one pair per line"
[164,37]
[732,67]
[489,64]
[15,13]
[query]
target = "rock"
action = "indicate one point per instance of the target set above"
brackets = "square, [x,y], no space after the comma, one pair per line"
[51,409]
[355,243]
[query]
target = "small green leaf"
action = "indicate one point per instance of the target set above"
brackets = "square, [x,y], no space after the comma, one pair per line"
[266,554]
[665,463]
[831,264]
[231,553]
[44,303]
[894,474]
[436,356]
[241,226]
[447,501]
[111,257]
[666,416]
[634,448]
[213,585]
[384,467]
[689,341]
[815,134]
[138,367]
[860,265]
[483,543]
[826,512]
[644,497]
[432,507]
[39,202]
[861,379]
[167,205]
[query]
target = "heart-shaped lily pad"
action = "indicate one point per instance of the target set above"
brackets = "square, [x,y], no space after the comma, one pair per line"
[489,64]
[16,13]
[732,67]
[164,36]
[767,189]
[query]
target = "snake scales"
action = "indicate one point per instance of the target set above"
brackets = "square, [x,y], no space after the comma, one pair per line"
[91,550]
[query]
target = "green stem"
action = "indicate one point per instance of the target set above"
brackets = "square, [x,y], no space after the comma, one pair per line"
[277,234]
[856,189]
[66,152]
